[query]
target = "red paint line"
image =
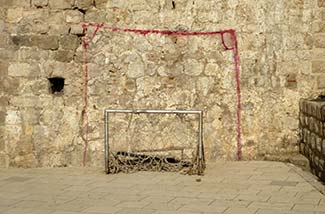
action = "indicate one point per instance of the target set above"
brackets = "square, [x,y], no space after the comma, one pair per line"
[162,32]
[238,90]
[85,122]
[168,33]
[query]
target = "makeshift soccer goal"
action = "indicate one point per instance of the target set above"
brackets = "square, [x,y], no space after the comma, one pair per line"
[154,140]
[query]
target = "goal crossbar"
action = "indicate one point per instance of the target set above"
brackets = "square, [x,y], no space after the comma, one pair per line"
[200,150]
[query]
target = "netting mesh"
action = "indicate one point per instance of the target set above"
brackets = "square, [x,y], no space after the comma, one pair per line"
[154,142]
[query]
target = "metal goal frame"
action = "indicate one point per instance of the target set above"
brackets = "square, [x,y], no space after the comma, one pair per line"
[200,161]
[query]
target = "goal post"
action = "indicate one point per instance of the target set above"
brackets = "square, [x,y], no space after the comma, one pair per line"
[198,162]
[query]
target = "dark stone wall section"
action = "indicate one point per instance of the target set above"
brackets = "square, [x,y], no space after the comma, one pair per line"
[312,134]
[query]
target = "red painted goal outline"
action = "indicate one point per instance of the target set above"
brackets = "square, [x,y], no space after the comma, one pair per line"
[222,33]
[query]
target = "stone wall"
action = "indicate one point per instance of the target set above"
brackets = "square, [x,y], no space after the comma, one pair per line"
[312,134]
[281,45]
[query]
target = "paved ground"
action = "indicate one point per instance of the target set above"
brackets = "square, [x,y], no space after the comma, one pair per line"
[231,187]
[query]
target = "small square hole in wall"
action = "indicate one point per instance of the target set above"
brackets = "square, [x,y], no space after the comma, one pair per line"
[56,85]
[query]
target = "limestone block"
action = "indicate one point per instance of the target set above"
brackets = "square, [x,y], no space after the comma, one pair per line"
[6,3]
[3,160]
[41,41]
[211,69]
[4,38]
[40,3]
[19,69]
[74,16]
[4,101]
[30,101]
[61,29]
[2,26]
[3,68]
[62,55]
[56,17]
[135,69]
[46,42]
[32,54]
[204,85]
[76,30]
[13,117]
[23,70]
[69,42]
[95,15]
[321,3]
[61,4]
[2,120]
[30,116]
[321,81]
[14,15]
[319,40]
[83,4]
[10,85]
[100,3]
[318,66]
[26,160]
[291,81]
[193,67]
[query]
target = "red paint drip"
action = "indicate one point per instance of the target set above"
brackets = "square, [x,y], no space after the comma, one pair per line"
[85,122]
[168,33]
[238,90]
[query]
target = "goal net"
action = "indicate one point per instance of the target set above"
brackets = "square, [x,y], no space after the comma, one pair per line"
[153,140]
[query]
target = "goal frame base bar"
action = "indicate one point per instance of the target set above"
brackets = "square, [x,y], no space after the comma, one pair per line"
[200,150]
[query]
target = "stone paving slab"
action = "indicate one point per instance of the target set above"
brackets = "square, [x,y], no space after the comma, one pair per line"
[226,187]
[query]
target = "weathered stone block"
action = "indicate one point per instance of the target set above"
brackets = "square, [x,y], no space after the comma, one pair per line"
[318,66]
[4,40]
[100,3]
[83,4]
[32,54]
[40,3]
[76,30]
[318,54]
[15,3]
[3,69]
[2,119]
[321,81]
[193,68]
[9,85]
[23,70]
[30,116]
[14,15]
[135,70]
[291,81]
[13,117]
[46,42]
[318,27]
[63,55]
[31,101]
[6,3]
[74,16]
[4,101]
[3,160]
[321,3]
[59,29]
[41,41]
[61,4]
[319,40]
[70,42]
